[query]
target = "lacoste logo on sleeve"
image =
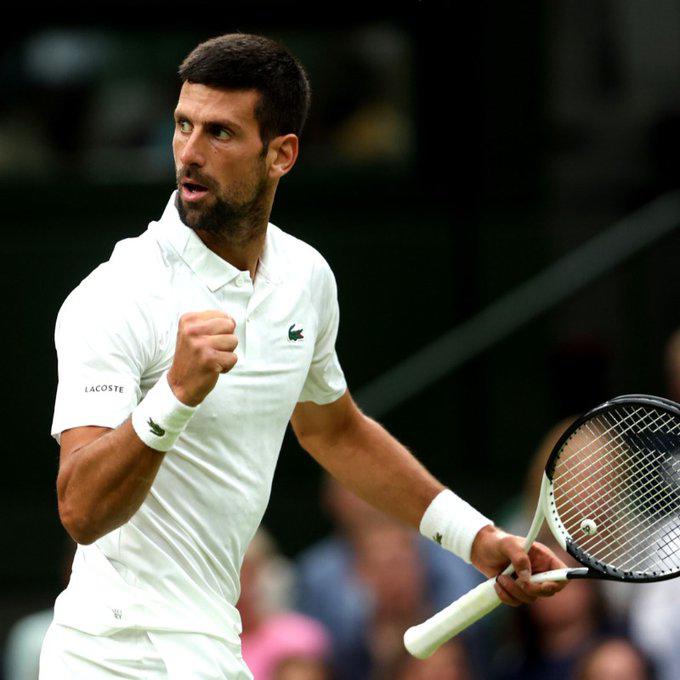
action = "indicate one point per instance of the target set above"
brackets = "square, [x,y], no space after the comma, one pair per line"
[438,538]
[104,388]
[295,334]
[155,428]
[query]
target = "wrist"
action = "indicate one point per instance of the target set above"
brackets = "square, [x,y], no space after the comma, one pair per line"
[485,533]
[180,393]
[453,523]
[160,417]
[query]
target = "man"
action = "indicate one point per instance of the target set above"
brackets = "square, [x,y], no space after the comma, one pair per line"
[181,361]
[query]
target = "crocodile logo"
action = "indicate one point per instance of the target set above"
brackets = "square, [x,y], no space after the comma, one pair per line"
[155,428]
[437,538]
[295,334]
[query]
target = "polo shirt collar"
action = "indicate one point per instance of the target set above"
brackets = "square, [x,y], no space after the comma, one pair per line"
[213,271]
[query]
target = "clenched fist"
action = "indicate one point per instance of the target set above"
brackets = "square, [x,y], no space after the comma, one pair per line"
[205,348]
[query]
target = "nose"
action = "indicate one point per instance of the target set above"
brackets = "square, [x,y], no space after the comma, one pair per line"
[191,152]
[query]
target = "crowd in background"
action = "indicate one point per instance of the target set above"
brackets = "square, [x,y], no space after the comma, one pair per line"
[339,610]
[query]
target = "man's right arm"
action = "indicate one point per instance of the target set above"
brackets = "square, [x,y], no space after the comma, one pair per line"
[105,474]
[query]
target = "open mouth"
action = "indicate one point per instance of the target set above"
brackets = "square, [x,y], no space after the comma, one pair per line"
[193,191]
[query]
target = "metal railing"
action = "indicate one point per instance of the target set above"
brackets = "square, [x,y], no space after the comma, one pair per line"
[527,301]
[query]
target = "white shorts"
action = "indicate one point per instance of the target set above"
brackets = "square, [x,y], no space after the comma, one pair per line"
[70,654]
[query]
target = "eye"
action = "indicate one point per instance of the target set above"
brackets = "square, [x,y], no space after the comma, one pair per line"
[184,125]
[222,134]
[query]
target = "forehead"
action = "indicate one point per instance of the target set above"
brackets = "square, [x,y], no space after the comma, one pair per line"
[205,104]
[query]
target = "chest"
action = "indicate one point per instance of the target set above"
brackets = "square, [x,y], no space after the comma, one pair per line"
[276,326]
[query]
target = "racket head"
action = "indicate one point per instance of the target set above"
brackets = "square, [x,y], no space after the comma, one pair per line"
[613,489]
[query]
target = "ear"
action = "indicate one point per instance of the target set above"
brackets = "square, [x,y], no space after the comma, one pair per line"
[282,154]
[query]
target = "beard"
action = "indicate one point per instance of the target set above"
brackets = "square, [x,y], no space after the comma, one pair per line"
[236,219]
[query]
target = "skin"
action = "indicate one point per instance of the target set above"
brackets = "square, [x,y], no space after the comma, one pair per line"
[105,474]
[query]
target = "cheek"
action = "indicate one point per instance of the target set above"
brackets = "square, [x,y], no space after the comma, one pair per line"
[176,148]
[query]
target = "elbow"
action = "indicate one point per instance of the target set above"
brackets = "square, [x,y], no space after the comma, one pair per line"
[78,524]
[78,528]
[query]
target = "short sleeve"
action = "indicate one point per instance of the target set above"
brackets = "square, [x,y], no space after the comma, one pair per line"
[103,346]
[325,380]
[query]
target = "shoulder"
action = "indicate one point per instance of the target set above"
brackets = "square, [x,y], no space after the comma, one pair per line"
[296,259]
[123,286]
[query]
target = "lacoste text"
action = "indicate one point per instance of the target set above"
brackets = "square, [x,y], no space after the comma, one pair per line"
[104,388]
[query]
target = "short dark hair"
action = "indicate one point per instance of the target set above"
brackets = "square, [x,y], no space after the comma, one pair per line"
[239,61]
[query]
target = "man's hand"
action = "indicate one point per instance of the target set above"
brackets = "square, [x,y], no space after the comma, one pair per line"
[205,349]
[493,550]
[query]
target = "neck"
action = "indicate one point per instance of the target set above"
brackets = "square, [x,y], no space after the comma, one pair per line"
[242,243]
[243,255]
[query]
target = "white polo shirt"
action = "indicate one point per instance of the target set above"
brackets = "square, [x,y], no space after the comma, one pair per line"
[175,565]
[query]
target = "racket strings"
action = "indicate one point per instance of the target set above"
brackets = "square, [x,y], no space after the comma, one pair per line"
[662,500]
[647,466]
[592,439]
[621,546]
[565,474]
[633,549]
[650,512]
[620,472]
[594,483]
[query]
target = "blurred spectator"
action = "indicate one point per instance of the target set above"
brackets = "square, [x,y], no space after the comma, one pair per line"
[25,638]
[22,650]
[389,567]
[553,634]
[449,662]
[655,625]
[371,579]
[654,620]
[614,659]
[277,644]
[302,668]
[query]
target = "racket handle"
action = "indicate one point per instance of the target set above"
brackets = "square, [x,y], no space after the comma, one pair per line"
[424,639]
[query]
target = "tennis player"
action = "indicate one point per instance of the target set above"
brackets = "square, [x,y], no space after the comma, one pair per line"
[181,361]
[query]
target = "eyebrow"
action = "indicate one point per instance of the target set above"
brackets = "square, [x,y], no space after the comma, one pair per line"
[225,122]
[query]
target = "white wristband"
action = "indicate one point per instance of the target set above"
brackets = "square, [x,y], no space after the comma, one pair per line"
[160,417]
[453,523]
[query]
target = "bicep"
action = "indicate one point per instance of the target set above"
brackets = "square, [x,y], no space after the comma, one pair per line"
[71,441]
[319,426]
[77,437]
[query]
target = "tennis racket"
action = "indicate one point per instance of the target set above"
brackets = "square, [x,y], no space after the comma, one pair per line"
[610,495]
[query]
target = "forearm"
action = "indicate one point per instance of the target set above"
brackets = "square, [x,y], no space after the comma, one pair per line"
[368,460]
[104,483]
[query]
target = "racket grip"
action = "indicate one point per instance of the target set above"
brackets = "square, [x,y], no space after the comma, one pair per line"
[424,639]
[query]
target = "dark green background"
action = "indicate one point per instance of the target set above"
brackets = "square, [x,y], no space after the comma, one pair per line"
[415,250]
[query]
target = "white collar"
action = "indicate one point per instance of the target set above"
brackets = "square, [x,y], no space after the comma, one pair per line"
[213,270]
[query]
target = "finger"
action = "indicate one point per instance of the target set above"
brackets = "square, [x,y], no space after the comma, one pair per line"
[223,343]
[544,559]
[512,546]
[505,597]
[205,314]
[514,590]
[222,325]
[546,589]
[225,361]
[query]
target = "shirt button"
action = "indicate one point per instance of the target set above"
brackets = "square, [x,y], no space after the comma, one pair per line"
[239,281]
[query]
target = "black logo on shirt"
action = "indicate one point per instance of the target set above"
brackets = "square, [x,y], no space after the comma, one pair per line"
[155,428]
[104,388]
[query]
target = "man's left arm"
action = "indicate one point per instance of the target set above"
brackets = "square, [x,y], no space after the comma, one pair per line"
[369,461]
